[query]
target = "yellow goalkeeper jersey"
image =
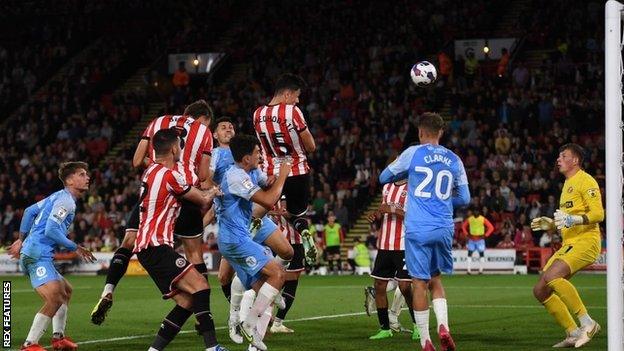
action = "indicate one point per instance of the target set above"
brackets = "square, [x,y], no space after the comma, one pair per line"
[581,196]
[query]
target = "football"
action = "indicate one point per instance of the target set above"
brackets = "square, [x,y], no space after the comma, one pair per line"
[423,73]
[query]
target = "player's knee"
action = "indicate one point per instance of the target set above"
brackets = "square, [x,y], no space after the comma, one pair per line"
[129,239]
[287,253]
[541,290]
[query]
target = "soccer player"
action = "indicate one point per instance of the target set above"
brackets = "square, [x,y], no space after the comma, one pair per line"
[294,268]
[283,131]
[580,211]
[44,226]
[480,228]
[176,278]
[267,234]
[390,260]
[196,145]
[333,236]
[436,183]
[240,186]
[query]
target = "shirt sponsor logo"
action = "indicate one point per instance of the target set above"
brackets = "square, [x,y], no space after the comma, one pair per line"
[180,262]
[40,272]
[592,192]
[251,261]
[247,184]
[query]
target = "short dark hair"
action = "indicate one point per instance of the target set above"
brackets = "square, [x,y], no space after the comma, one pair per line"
[576,149]
[242,145]
[163,140]
[431,121]
[221,120]
[66,169]
[289,81]
[198,108]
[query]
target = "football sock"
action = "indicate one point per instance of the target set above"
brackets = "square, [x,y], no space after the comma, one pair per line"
[117,269]
[397,305]
[170,327]
[245,307]
[264,298]
[570,297]
[560,312]
[59,321]
[37,329]
[201,309]
[235,301]
[441,312]
[382,315]
[422,323]
[264,321]
[289,291]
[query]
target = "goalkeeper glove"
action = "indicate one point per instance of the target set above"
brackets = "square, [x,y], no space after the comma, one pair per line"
[542,223]
[563,219]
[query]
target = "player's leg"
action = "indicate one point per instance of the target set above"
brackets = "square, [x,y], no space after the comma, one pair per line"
[441,262]
[440,309]
[225,276]
[400,275]
[297,192]
[418,257]
[383,271]
[481,249]
[405,289]
[59,340]
[173,322]
[189,228]
[471,247]
[46,282]
[117,268]
[238,291]
[277,242]
[293,272]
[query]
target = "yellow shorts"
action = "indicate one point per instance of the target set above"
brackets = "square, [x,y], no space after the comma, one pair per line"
[578,254]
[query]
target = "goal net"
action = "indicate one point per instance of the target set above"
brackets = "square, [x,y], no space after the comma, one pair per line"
[614,70]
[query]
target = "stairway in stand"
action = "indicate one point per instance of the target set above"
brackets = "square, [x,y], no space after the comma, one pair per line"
[361,229]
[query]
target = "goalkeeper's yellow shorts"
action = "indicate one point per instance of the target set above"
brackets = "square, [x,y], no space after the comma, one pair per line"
[578,253]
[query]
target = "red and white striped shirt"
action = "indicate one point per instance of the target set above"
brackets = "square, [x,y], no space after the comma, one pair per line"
[392,235]
[196,141]
[159,207]
[278,127]
[292,235]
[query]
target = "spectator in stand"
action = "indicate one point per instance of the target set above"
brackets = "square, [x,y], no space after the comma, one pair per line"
[333,237]
[181,78]
[503,63]
[507,243]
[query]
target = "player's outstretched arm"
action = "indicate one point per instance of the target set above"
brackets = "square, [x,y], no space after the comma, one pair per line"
[398,169]
[461,191]
[202,197]
[462,196]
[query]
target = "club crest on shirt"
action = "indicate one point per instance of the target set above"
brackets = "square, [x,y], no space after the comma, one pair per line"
[247,184]
[180,262]
[41,271]
[592,192]
[251,261]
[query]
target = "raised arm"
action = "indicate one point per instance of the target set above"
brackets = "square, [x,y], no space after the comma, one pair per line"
[398,169]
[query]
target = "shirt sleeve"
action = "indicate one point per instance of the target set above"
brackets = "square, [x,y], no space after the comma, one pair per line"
[214,159]
[55,228]
[461,190]
[149,131]
[207,143]
[240,184]
[592,197]
[30,213]
[262,178]
[298,120]
[175,183]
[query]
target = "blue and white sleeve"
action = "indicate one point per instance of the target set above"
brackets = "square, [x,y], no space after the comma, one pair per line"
[30,213]
[461,193]
[399,168]
[55,227]
[262,178]
[214,159]
[239,183]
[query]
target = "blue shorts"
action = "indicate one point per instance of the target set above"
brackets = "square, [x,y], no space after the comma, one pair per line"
[266,229]
[429,253]
[247,257]
[39,271]
[476,245]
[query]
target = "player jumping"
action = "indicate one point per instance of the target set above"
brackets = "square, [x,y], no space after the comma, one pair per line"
[436,183]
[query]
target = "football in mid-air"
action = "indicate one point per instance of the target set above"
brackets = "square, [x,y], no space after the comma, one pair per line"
[423,73]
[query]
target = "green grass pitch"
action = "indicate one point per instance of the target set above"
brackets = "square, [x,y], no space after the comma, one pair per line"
[485,312]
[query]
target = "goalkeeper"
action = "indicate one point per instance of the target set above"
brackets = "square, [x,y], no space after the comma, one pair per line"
[580,211]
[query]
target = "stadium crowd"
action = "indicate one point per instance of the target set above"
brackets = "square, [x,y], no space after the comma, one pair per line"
[360,108]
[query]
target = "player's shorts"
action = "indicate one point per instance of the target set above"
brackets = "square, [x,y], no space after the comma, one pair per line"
[165,267]
[266,229]
[297,264]
[429,253]
[247,257]
[297,192]
[578,253]
[390,264]
[332,250]
[476,245]
[39,271]
[189,223]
